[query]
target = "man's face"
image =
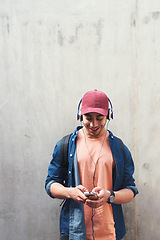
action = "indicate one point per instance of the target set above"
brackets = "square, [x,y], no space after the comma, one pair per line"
[94,124]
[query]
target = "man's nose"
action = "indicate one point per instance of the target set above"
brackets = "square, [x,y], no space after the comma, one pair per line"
[93,123]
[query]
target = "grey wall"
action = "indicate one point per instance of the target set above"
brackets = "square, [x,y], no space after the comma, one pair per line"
[52,52]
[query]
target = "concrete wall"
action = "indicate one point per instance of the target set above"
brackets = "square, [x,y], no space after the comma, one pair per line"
[52,52]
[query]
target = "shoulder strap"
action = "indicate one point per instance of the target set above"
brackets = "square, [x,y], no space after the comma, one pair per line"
[64,150]
[64,157]
[122,146]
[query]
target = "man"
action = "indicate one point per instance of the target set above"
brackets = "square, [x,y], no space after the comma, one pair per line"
[99,163]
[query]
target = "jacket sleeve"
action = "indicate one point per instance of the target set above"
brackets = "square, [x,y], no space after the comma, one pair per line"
[128,180]
[55,170]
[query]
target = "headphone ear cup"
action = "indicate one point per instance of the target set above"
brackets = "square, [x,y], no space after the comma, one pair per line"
[110,111]
[112,115]
[109,114]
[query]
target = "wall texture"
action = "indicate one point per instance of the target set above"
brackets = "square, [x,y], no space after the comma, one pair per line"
[52,52]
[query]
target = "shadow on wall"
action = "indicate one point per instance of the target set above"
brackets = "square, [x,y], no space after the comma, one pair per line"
[142,214]
[129,210]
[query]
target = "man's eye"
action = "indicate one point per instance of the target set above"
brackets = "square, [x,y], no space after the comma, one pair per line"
[99,119]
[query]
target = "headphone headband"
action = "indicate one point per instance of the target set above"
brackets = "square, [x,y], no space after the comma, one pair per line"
[78,112]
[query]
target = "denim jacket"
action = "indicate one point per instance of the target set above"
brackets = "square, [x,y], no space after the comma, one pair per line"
[72,221]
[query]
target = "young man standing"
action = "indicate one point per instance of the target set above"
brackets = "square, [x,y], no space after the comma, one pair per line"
[98,163]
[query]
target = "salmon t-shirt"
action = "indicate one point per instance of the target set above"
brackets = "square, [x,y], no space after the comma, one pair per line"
[91,154]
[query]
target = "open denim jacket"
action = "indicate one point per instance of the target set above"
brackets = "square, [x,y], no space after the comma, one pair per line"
[72,221]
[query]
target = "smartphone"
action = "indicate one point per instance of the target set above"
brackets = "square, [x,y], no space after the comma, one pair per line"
[89,194]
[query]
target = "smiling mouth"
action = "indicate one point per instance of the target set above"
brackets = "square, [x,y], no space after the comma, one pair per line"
[94,130]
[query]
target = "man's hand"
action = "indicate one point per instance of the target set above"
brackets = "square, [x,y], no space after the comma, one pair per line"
[102,198]
[77,193]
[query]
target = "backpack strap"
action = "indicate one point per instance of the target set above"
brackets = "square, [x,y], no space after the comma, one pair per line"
[122,146]
[64,157]
[64,150]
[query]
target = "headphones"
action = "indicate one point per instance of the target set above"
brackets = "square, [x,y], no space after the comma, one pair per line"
[79,116]
[109,116]
[110,110]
